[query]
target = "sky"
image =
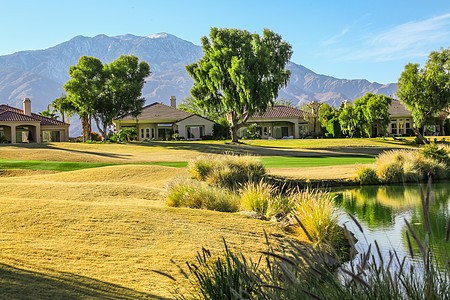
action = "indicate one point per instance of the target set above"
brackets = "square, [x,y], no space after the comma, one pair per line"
[370,40]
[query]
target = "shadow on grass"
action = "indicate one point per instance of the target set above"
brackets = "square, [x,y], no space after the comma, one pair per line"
[18,283]
[45,146]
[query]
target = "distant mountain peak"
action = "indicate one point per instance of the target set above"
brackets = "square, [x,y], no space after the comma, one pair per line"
[157,35]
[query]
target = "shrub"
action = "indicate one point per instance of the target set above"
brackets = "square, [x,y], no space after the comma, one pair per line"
[437,153]
[367,175]
[184,192]
[257,196]
[432,168]
[3,140]
[318,214]
[280,202]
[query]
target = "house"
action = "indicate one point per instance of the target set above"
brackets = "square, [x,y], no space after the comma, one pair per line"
[281,121]
[401,119]
[158,121]
[23,126]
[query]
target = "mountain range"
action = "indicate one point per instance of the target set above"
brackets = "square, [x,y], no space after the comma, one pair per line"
[41,74]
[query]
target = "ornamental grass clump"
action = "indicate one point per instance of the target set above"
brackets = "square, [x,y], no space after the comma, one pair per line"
[184,192]
[367,175]
[304,271]
[318,214]
[227,171]
[257,196]
[398,166]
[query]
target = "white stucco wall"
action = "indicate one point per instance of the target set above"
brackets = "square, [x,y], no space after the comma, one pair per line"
[195,121]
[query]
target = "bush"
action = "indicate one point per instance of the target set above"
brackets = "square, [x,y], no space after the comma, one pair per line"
[227,171]
[367,175]
[3,140]
[437,153]
[96,137]
[183,192]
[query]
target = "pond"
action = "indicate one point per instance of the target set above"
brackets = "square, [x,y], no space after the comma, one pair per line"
[381,211]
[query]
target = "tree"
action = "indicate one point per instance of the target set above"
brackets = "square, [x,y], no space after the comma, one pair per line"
[64,107]
[194,106]
[348,120]
[84,89]
[49,113]
[314,108]
[426,92]
[329,119]
[284,102]
[377,111]
[121,93]
[240,73]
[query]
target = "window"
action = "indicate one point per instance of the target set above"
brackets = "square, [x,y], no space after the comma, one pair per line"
[153,133]
[407,125]
[394,128]
[147,133]
[265,131]
[400,128]
[142,133]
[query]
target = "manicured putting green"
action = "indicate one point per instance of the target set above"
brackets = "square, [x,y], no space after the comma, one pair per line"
[317,161]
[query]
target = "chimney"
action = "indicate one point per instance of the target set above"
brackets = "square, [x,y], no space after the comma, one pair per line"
[173,101]
[27,106]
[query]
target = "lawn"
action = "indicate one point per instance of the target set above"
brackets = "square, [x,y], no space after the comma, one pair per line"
[95,232]
[99,233]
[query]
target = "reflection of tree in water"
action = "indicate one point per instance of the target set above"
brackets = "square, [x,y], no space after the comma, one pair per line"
[439,214]
[363,203]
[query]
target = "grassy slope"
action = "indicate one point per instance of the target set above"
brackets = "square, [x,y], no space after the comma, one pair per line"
[100,232]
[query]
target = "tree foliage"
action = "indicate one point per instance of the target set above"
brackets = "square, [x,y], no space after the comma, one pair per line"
[240,73]
[84,88]
[122,90]
[49,113]
[105,91]
[425,92]
[64,107]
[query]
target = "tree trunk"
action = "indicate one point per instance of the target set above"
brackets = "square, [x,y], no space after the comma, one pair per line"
[102,131]
[420,136]
[85,126]
[234,135]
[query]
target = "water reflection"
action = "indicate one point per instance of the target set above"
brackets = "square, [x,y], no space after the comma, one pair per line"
[381,211]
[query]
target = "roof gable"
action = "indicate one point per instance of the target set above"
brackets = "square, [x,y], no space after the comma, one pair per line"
[159,111]
[12,114]
[398,109]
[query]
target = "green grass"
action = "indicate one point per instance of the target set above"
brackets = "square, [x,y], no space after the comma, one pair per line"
[63,166]
[317,161]
[268,162]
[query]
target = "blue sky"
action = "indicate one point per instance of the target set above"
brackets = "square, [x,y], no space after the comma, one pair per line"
[345,39]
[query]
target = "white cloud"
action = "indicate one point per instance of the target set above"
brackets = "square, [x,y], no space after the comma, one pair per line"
[336,37]
[407,40]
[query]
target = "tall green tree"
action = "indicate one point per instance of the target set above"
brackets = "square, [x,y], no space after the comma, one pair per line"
[240,73]
[425,92]
[377,111]
[84,88]
[121,94]
[348,120]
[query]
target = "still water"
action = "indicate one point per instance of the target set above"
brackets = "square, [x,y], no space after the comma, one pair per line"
[381,211]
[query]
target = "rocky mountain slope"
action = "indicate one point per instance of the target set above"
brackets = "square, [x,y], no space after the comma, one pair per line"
[41,74]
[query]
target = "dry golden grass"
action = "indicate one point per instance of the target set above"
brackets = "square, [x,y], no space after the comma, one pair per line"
[328,172]
[98,233]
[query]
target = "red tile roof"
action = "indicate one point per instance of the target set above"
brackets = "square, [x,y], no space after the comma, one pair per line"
[281,111]
[11,114]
